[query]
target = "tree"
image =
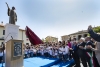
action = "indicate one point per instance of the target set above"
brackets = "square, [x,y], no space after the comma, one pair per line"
[97,29]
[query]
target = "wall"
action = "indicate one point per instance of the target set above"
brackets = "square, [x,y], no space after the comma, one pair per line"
[22,35]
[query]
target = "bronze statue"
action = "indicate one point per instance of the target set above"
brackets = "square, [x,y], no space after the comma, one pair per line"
[12,15]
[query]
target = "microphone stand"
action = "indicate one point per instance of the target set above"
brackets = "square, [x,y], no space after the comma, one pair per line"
[3,48]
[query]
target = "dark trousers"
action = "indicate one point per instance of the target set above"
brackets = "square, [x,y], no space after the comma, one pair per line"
[38,54]
[50,56]
[1,59]
[60,56]
[46,54]
[31,54]
[65,57]
[70,54]
[26,56]
[84,62]
[34,54]
[96,61]
[76,59]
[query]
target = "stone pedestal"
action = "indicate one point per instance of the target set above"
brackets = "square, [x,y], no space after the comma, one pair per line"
[14,53]
[11,31]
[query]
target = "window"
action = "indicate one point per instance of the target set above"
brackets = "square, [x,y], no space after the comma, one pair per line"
[3,32]
[1,43]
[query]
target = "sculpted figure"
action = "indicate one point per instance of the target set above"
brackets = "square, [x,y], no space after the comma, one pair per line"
[12,15]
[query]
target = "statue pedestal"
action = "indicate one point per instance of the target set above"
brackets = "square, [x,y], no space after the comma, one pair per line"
[11,31]
[14,53]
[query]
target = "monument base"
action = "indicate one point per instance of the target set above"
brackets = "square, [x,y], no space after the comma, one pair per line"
[11,31]
[14,53]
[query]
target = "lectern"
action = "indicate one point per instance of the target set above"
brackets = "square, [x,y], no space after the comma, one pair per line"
[14,53]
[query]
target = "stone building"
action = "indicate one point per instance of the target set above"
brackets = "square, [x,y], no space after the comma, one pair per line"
[76,35]
[51,39]
[65,37]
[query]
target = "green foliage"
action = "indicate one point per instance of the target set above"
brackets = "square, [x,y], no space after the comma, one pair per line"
[97,29]
[88,34]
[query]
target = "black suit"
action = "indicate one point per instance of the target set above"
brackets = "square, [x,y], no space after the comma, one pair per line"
[89,43]
[75,55]
[94,35]
[82,54]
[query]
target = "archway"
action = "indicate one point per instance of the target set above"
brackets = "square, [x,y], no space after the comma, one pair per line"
[79,36]
[85,35]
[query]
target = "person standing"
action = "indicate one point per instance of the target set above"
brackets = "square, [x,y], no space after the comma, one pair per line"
[75,54]
[70,52]
[81,52]
[97,52]
[91,59]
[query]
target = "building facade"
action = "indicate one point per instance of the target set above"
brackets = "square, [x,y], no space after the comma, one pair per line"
[76,35]
[51,39]
[65,37]
[22,35]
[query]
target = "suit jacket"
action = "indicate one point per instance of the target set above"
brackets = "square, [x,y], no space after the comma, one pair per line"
[89,43]
[94,35]
[81,52]
[74,51]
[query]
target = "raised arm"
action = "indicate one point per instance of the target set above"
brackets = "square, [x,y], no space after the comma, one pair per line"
[8,9]
[7,5]
[94,35]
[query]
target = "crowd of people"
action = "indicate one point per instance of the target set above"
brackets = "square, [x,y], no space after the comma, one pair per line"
[80,51]
[49,50]
[85,50]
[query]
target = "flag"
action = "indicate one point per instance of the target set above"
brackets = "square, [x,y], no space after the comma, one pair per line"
[33,38]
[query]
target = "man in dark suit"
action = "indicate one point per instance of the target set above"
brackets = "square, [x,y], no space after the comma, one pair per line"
[81,52]
[94,35]
[75,54]
[90,54]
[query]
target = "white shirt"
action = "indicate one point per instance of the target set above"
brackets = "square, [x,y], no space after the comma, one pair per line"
[64,51]
[50,52]
[67,49]
[60,50]
[42,51]
[34,50]
[56,52]
[25,51]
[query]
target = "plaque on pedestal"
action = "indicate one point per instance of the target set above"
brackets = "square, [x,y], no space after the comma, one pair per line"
[17,49]
[14,53]
[11,30]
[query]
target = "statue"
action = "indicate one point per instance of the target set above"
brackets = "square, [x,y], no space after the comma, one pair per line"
[12,15]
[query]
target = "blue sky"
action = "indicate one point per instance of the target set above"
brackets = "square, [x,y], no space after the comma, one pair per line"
[53,17]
